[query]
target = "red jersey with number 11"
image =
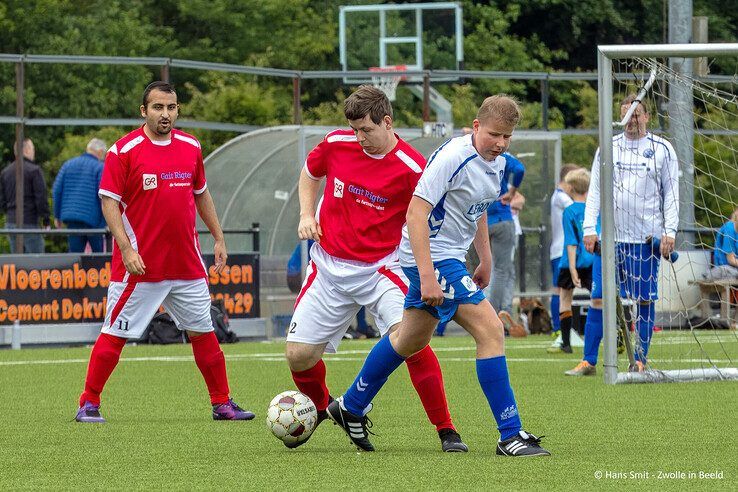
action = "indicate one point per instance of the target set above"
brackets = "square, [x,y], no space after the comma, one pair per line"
[156,183]
[363,207]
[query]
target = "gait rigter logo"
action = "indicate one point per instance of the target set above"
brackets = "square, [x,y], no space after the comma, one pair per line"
[149,181]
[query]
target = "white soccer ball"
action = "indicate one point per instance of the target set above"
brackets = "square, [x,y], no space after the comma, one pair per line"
[291,417]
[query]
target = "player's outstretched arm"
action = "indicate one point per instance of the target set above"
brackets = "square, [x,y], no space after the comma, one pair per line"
[419,232]
[131,259]
[308,227]
[206,210]
[481,245]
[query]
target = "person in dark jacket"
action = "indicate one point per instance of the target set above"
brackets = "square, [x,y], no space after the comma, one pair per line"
[76,203]
[35,199]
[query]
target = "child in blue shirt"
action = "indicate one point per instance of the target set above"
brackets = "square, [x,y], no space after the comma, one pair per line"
[575,266]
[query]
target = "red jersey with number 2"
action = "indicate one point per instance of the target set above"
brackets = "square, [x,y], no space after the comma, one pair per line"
[156,183]
[363,207]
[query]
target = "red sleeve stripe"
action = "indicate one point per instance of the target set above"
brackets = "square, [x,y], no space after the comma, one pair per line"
[313,271]
[394,278]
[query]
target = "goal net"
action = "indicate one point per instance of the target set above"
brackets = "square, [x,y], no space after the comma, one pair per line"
[672,170]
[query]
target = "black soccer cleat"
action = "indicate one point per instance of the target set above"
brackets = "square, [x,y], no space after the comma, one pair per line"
[355,426]
[451,441]
[322,415]
[521,444]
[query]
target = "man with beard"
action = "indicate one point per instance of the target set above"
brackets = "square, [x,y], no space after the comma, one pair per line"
[152,183]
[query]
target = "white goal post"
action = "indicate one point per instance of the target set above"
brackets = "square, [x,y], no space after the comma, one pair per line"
[680,98]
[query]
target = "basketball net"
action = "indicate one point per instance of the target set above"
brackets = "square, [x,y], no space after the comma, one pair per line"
[388,83]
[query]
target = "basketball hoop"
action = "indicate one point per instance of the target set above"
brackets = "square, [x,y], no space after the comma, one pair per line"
[388,83]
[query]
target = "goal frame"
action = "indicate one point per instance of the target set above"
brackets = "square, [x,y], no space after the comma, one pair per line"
[606,54]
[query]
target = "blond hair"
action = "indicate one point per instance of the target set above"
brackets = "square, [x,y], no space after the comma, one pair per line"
[578,181]
[500,107]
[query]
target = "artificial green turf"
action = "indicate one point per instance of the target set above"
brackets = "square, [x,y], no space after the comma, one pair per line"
[160,435]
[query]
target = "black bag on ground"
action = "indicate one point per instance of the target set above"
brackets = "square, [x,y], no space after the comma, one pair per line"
[221,323]
[163,331]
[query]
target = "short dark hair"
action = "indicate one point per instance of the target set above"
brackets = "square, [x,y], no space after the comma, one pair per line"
[159,85]
[566,169]
[367,100]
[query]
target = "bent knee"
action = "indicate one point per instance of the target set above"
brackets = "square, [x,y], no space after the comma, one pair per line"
[301,357]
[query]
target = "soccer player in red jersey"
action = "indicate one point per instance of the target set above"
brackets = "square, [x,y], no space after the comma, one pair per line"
[152,184]
[370,175]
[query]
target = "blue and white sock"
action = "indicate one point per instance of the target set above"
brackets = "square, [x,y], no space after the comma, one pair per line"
[646,319]
[592,335]
[379,364]
[495,382]
[555,312]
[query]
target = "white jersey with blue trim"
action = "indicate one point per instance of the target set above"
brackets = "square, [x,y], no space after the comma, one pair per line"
[646,189]
[460,185]
[559,201]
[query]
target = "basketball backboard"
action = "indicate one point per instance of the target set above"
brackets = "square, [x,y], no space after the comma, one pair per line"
[418,35]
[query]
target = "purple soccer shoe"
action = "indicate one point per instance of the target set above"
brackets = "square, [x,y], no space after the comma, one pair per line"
[231,411]
[90,414]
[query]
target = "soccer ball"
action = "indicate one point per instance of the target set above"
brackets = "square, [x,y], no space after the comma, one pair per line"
[291,417]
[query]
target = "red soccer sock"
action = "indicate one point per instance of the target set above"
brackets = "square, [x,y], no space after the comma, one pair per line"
[425,373]
[312,383]
[103,359]
[211,362]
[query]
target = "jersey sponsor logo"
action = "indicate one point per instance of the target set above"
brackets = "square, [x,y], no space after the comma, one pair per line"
[149,181]
[476,210]
[368,198]
[338,187]
[175,175]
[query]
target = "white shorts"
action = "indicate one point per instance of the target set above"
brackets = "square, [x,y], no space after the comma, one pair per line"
[333,292]
[131,306]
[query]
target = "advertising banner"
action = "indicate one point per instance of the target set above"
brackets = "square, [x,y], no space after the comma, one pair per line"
[68,288]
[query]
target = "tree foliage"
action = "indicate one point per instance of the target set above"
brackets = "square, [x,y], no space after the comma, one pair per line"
[504,35]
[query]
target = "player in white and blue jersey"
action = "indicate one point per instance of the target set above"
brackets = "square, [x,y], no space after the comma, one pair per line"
[646,199]
[446,215]
[559,201]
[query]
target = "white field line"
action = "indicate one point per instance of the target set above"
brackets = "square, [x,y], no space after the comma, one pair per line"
[342,357]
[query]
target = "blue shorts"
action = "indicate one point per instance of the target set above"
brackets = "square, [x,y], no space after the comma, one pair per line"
[637,271]
[555,271]
[458,288]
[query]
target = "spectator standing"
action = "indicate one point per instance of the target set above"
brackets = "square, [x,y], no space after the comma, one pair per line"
[502,236]
[76,203]
[35,199]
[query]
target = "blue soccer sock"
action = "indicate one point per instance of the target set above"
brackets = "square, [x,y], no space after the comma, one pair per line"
[361,324]
[592,335]
[555,312]
[379,364]
[495,383]
[441,328]
[646,318]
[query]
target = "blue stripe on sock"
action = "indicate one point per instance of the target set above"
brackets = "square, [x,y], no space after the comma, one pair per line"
[495,382]
[592,335]
[379,364]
